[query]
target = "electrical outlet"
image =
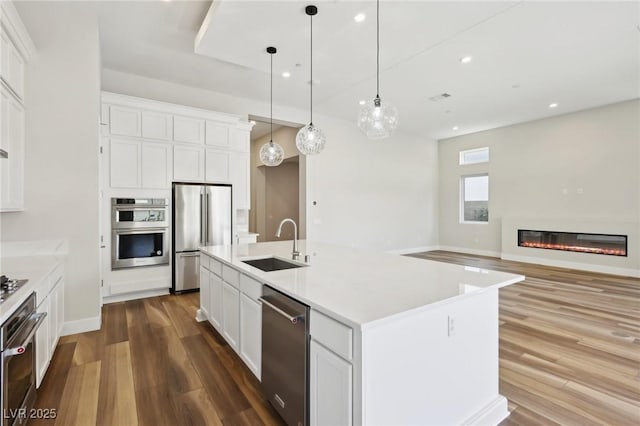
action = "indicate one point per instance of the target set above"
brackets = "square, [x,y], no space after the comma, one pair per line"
[451,326]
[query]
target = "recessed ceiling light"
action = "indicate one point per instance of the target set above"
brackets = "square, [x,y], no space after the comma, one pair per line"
[553,105]
[253,122]
[362,102]
[286,74]
[359,17]
[455,127]
[466,59]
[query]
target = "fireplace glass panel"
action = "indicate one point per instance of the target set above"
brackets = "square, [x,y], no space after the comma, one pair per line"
[609,244]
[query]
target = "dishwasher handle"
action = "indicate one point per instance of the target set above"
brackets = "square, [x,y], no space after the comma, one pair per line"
[293,319]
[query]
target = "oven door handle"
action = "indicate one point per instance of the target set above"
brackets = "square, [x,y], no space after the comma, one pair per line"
[20,349]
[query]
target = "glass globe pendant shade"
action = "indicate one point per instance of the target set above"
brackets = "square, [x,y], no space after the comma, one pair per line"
[271,154]
[378,120]
[310,140]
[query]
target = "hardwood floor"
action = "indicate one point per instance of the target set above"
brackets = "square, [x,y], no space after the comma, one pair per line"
[151,364]
[569,344]
[569,355]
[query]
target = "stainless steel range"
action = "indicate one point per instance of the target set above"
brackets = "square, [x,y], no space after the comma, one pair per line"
[18,369]
[9,287]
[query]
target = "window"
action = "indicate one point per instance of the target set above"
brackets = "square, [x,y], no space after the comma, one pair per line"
[474,156]
[474,200]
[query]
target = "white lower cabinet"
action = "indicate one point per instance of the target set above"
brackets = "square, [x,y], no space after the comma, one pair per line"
[50,299]
[251,333]
[215,303]
[43,350]
[205,290]
[231,315]
[331,387]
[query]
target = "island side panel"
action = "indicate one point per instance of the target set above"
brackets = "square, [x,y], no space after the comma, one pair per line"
[421,369]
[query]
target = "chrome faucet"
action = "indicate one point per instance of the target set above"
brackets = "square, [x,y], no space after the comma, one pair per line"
[295,251]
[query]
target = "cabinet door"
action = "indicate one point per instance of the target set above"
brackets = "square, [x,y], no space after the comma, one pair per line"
[125,121]
[251,333]
[157,125]
[12,141]
[239,140]
[186,129]
[216,166]
[52,316]
[188,163]
[156,165]
[330,388]
[230,315]
[124,164]
[205,298]
[42,344]
[215,303]
[217,134]
[60,306]
[239,171]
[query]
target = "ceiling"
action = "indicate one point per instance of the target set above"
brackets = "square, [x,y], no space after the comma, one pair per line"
[526,55]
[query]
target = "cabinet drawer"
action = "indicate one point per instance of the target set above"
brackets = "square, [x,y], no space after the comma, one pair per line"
[204,261]
[231,276]
[215,266]
[332,334]
[250,287]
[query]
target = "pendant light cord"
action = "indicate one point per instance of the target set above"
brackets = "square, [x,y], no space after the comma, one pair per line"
[271,101]
[311,82]
[377,48]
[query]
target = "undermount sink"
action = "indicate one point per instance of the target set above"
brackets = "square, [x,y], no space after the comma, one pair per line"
[269,264]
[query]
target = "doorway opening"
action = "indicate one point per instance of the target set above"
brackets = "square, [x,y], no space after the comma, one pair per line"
[277,192]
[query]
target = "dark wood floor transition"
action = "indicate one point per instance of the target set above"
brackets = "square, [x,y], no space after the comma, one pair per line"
[569,355]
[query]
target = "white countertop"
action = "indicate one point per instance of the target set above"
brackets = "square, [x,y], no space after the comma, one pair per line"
[30,260]
[363,287]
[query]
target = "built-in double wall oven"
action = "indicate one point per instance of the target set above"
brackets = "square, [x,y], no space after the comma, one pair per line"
[139,232]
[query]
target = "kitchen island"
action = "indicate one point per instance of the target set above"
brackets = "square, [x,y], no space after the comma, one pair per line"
[394,340]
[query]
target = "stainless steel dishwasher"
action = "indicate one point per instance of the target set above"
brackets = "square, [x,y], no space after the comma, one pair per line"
[285,355]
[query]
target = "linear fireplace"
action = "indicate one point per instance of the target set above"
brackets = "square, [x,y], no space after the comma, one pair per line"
[613,245]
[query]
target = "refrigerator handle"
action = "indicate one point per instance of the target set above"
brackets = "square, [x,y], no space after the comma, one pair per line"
[202,218]
[206,217]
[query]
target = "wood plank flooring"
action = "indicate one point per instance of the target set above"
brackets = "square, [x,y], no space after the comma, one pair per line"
[569,355]
[151,364]
[569,344]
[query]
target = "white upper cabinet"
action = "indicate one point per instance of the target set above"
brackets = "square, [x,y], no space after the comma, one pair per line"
[156,165]
[187,129]
[125,169]
[216,166]
[239,139]
[217,134]
[16,48]
[11,66]
[157,125]
[239,173]
[125,121]
[188,163]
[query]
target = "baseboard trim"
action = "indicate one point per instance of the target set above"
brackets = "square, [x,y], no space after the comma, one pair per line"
[471,251]
[412,250]
[134,295]
[603,269]
[491,414]
[81,326]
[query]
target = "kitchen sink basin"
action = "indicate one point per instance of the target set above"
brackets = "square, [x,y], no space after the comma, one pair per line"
[269,264]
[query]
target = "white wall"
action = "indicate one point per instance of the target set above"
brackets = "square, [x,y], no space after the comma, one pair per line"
[579,167]
[61,161]
[381,195]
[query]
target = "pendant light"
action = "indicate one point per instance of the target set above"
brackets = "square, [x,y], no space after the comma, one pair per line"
[310,139]
[271,154]
[378,120]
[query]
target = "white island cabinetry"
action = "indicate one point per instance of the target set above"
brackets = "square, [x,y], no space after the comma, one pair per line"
[229,301]
[394,340]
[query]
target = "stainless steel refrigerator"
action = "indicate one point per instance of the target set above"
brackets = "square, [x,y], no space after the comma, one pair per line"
[201,217]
